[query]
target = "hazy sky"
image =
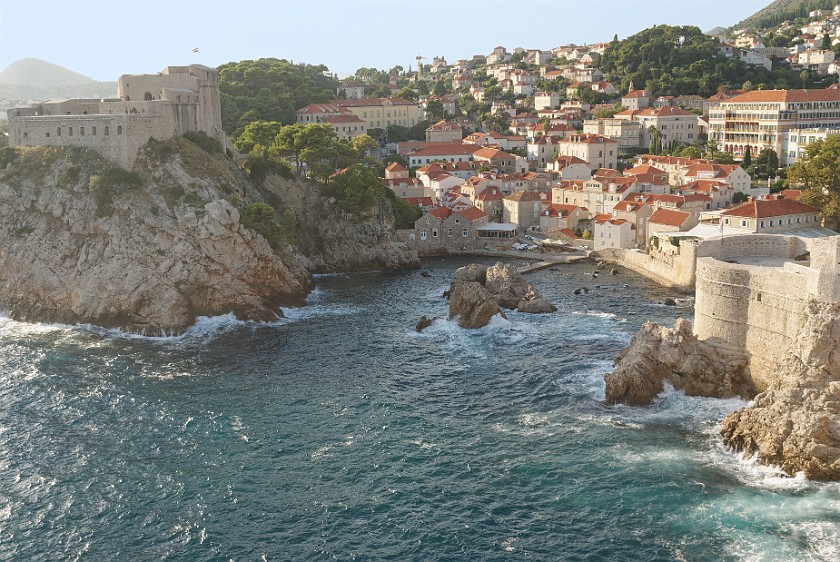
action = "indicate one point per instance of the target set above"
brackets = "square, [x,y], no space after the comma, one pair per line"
[107,38]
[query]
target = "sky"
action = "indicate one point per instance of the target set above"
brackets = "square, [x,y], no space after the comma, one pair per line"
[104,39]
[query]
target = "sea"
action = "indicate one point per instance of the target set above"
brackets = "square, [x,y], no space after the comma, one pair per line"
[340,433]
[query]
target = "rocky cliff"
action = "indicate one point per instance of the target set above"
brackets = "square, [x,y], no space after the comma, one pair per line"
[795,424]
[152,249]
[330,241]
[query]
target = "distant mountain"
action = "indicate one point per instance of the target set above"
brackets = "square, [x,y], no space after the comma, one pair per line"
[715,31]
[32,78]
[782,10]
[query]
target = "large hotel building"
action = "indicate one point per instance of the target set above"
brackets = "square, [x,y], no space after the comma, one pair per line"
[764,118]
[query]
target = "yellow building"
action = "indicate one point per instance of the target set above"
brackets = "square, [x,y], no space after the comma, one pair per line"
[379,113]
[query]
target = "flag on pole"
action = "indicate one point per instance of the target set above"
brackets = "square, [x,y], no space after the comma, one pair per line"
[195,50]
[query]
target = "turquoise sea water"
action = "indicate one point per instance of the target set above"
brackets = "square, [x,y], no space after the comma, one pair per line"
[340,433]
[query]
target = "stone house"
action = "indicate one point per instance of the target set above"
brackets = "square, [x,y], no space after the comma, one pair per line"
[597,150]
[670,220]
[443,230]
[444,131]
[614,233]
[524,208]
[557,217]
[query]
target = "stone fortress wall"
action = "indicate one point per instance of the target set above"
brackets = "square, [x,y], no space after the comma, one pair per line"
[758,303]
[175,101]
[751,292]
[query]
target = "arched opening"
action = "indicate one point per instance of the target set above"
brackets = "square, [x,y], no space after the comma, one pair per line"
[147,96]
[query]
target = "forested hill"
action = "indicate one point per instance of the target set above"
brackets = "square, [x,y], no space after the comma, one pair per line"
[782,10]
[270,90]
[668,60]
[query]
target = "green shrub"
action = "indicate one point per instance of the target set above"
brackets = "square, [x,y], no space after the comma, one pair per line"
[263,219]
[70,176]
[7,156]
[104,186]
[205,142]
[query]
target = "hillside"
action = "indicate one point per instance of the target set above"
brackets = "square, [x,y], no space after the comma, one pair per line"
[32,78]
[782,10]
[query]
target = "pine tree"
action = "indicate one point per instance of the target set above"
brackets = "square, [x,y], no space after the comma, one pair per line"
[747,162]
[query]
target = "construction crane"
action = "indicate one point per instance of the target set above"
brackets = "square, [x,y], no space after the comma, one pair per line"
[420,58]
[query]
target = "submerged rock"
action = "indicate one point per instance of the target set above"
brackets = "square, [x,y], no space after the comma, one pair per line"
[478,292]
[669,302]
[424,323]
[657,354]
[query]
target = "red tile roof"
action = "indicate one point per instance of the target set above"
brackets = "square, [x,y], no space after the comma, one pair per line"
[472,214]
[669,217]
[396,167]
[764,96]
[763,208]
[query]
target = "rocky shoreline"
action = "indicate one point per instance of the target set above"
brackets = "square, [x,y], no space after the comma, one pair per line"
[795,424]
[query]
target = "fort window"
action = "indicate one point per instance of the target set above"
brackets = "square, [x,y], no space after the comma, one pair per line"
[26,135]
[119,129]
[81,131]
[58,132]
[127,98]
[758,297]
[93,131]
[107,130]
[70,131]
[147,96]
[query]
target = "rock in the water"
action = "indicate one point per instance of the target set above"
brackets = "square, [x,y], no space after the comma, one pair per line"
[657,354]
[471,304]
[797,429]
[425,274]
[669,302]
[582,291]
[613,271]
[424,323]
[475,285]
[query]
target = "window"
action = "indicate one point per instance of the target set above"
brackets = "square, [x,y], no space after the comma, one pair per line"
[423,234]
[743,223]
[466,232]
[762,224]
[58,132]
[93,131]
[81,131]
[434,233]
[70,131]
[107,130]
[119,129]
[449,232]
[771,223]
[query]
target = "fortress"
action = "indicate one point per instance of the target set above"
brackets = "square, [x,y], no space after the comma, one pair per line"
[177,100]
[752,291]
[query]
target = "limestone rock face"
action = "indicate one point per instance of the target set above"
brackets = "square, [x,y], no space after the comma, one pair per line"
[331,242]
[797,429]
[479,292]
[657,354]
[148,257]
[796,423]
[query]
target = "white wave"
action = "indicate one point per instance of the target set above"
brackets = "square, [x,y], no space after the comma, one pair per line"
[596,314]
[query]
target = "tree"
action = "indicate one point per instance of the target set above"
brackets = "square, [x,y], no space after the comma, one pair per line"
[819,173]
[766,164]
[356,189]
[257,136]
[434,110]
[270,89]
[292,140]
[439,88]
[407,94]
[747,161]
[322,160]
[655,139]
[364,144]
[826,42]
